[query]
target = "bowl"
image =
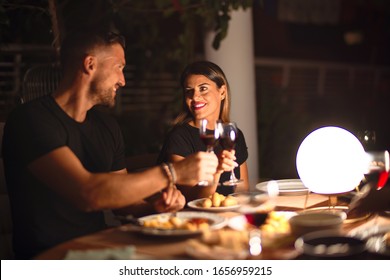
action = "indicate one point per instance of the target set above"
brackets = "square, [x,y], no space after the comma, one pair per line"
[304,223]
[329,244]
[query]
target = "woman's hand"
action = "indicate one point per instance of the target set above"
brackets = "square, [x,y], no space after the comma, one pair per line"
[226,161]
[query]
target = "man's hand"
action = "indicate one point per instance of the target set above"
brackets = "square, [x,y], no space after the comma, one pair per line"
[200,166]
[171,200]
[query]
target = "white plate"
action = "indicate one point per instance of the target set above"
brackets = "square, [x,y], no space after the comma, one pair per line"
[195,204]
[374,239]
[286,187]
[216,222]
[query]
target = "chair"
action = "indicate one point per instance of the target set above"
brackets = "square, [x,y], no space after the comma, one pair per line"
[40,80]
[6,251]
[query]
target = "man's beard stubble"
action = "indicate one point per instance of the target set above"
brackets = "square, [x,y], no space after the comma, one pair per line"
[102,96]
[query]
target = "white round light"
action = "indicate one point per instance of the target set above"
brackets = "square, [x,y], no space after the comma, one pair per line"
[331,160]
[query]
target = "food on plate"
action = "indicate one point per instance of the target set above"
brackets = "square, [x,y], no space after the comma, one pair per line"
[276,230]
[207,203]
[276,222]
[174,222]
[386,238]
[222,244]
[218,200]
[229,201]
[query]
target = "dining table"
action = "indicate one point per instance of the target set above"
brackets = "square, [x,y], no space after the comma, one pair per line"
[176,247]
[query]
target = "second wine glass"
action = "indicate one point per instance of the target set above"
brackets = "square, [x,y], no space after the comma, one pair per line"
[228,139]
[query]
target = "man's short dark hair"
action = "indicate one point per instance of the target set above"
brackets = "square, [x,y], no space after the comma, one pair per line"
[77,44]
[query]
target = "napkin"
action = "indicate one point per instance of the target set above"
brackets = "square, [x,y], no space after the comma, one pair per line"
[120,253]
[300,200]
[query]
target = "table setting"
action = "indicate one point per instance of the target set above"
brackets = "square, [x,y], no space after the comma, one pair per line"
[309,217]
[228,235]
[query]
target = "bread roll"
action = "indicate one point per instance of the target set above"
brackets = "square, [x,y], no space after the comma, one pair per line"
[216,199]
[207,203]
[229,201]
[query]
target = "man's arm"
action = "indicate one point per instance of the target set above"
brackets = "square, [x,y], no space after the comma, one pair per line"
[370,200]
[63,172]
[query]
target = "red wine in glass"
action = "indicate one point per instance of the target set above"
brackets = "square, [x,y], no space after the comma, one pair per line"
[227,143]
[209,140]
[256,218]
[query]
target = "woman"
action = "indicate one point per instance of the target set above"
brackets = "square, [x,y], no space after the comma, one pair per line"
[206,96]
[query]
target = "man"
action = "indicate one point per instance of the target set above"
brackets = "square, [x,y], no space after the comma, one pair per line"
[64,159]
[370,200]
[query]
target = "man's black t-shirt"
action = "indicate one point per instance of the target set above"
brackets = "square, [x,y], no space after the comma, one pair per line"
[41,217]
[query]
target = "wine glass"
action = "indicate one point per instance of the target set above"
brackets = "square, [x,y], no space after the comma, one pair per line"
[209,138]
[256,209]
[228,140]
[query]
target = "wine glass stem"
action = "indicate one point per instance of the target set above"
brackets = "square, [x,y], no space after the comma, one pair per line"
[209,149]
[255,246]
[232,176]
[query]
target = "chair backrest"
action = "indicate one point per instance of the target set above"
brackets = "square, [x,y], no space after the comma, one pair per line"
[40,80]
[6,251]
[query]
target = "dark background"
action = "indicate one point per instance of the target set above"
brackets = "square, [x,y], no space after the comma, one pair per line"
[286,112]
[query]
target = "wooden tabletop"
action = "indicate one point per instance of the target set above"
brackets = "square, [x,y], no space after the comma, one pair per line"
[166,247]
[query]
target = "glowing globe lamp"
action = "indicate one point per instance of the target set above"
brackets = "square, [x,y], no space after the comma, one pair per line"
[331,160]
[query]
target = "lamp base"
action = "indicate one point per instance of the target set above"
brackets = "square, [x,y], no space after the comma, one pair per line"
[338,209]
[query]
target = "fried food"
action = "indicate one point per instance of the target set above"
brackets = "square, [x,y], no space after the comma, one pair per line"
[277,222]
[207,203]
[276,230]
[229,201]
[173,222]
[386,238]
[218,200]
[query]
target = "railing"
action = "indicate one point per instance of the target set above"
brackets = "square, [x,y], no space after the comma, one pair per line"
[319,78]
[297,78]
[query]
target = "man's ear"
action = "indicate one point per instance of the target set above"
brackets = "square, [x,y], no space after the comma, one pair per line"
[89,64]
